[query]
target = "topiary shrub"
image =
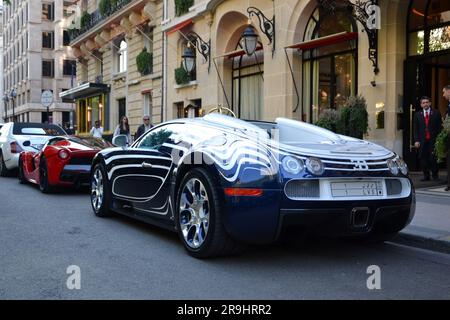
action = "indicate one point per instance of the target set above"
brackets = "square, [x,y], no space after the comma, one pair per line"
[144,62]
[354,120]
[442,145]
[182,6]
[329,120]
[85,20]
[104,7]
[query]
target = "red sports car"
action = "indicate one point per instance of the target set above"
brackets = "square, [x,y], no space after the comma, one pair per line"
[62,161]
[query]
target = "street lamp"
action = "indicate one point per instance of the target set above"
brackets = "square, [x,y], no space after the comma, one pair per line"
[6,100]
[188,59]
[13,96]
[250,40]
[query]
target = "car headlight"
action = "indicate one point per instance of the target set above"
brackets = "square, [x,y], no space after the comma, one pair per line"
[292,165]
[402,166]
[393,167]
[315,166]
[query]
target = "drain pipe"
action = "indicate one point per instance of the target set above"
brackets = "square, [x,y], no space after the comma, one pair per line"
[164,67]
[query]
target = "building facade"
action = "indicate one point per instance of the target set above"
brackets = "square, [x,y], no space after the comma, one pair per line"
[37,57]
[2,102]
[119,48]
[318,55]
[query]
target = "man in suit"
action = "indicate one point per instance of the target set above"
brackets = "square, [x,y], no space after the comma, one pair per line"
[446,95]
[427,125]
[143,128]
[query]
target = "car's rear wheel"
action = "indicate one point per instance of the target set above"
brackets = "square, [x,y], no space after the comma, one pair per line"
[199,217]
[21,175]
[99,191]
[44,186]
[3,170]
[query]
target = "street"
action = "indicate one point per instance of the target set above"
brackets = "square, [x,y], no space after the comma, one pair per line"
[119,258]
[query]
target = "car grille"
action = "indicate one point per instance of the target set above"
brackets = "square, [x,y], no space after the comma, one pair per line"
[296,189]
[81,160]
[355,165]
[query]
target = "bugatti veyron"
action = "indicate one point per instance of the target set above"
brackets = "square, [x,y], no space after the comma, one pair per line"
[219,182]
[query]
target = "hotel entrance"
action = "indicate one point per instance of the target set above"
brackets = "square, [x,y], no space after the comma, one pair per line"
[427,68]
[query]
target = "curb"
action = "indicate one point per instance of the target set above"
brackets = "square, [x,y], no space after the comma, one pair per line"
[412,239]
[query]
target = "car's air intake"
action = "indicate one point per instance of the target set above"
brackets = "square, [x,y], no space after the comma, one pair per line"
[298,189]
[393,187]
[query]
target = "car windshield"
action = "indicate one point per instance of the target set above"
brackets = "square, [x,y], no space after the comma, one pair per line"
[38,129]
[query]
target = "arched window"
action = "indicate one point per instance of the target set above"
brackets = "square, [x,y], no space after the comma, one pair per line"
[122,56]
[428,26]
[329,70]
[248,84]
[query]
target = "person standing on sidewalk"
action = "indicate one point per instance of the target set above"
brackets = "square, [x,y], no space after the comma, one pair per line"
[143,128]
[446,95]
[427,125]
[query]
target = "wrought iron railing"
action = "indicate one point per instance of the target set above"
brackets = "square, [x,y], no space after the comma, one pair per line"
[95,18]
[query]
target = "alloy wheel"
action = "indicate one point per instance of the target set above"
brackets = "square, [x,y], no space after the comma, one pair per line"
[194,213]
[97,189]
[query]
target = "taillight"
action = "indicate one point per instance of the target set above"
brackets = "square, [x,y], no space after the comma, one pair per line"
[63,154]
[15,147]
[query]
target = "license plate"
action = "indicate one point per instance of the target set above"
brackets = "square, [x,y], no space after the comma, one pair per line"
[357,189]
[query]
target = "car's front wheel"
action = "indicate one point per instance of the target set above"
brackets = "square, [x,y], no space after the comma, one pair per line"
[44,186]
[199,217]
[99,191]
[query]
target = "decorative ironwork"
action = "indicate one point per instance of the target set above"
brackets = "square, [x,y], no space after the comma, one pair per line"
[266,25]
[203,47]
[364,12]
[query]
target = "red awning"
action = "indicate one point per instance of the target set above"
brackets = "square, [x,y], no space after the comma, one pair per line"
[179,26]
[147,91]
[324,41]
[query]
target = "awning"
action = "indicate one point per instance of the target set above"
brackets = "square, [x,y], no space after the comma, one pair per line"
[85,90]
[324,41]
[235,53]
[179,26]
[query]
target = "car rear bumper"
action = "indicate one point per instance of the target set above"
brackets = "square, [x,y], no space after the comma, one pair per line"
[75,174]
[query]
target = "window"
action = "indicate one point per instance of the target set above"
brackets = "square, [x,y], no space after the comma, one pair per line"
[154,139]
[147,104]
[47,11]
[329,72]
[48,68]
[69,67]
[66,38]
[122,56]
[48,39]
[122,103]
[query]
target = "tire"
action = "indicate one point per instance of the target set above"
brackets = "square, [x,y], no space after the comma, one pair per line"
[99,192]
[20,174]
[43,177]
[198,217]
[4,172]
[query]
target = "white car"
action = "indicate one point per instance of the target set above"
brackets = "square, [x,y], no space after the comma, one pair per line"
[17,137]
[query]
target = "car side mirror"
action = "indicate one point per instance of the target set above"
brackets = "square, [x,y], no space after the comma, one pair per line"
[120,140]
[26,143]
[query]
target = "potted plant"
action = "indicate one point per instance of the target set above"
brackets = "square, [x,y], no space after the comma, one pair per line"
[181,76]
[144,62]
[182,6]
[354,120]
[442,145]
[85,20]
[104,7]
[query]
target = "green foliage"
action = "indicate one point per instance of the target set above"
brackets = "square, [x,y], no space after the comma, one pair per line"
[85,19]
[380,120]
[144,62]
[442,145]
[182,6]
[329,120]
[181,76]
[104,7]
[354,120]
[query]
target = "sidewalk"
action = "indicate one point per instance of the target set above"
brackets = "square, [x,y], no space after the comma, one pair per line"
[430,228]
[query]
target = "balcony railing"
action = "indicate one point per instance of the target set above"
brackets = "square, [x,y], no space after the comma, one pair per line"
[95,18]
